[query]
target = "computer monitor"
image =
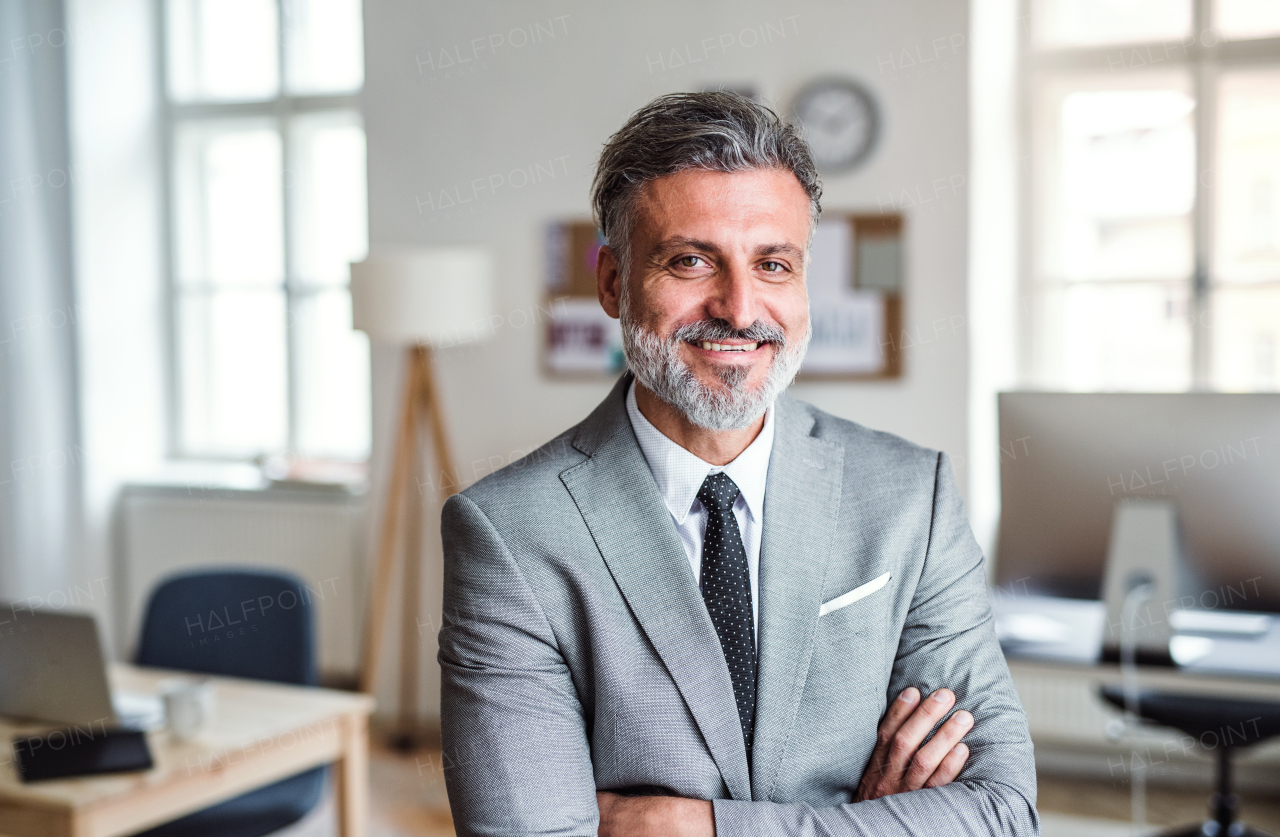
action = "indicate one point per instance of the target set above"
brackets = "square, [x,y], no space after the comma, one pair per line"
[1067,459]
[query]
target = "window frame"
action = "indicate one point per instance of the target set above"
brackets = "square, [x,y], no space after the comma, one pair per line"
[281,111]
[1202,64]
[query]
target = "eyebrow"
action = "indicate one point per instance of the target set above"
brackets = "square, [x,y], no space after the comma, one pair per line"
[681,242]
[780,249]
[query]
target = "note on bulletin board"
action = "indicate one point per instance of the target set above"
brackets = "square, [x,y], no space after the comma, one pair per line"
[855,300]
[581,338]
[855,297]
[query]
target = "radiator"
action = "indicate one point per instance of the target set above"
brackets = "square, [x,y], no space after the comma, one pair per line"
[316,534]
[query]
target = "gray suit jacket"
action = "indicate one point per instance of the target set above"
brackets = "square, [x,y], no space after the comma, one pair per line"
[577,653]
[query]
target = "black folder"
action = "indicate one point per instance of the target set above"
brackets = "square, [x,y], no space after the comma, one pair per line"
[76,751]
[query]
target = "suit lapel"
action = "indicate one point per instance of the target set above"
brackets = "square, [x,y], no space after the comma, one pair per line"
[801,510]
[620,503]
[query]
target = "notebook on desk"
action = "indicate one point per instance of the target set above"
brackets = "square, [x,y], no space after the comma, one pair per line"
[67,753]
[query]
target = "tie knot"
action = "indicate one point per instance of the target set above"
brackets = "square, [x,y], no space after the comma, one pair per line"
[718,492]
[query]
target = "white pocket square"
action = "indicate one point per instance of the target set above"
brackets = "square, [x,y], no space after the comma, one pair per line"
[853,595]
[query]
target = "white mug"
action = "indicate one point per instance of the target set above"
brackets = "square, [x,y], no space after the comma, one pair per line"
[188,707]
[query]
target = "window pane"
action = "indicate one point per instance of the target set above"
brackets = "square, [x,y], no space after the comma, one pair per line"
[233,396]
[1115,337]
[332,377]
[1246,338]
[1248,221]
[1248,18]
[222,49]
[227,207]
[324,45]
[1116,182]
[1062,23]
[327,196]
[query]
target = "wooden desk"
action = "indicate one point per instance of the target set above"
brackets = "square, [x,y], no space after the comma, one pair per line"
[263,732]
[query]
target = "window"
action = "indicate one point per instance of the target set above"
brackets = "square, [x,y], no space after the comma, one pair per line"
[1153,131]
[267,205]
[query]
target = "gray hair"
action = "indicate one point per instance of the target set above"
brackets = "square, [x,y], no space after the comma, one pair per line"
[717,131]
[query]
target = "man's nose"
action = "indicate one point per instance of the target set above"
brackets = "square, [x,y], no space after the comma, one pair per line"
[734,298]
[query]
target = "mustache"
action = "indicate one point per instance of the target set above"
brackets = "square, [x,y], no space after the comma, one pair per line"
[715,330]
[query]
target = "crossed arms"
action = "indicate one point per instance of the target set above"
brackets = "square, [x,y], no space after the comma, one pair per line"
[518,738]
[902,761]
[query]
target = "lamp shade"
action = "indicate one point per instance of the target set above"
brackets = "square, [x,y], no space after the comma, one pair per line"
[440,296]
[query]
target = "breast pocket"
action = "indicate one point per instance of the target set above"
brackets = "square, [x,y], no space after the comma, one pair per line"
[854,628]
[858,595]
[853,652]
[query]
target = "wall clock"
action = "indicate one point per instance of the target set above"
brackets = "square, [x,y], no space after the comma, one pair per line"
[841,122]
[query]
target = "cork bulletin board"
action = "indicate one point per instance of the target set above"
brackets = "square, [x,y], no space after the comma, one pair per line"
[581,339]
[855,297]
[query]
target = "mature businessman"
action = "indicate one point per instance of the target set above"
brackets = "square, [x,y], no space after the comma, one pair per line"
[709,608]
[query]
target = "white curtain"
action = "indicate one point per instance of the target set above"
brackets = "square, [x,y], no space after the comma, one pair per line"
[40,456]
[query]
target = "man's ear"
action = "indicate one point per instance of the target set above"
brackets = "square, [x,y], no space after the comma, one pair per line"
[609,282]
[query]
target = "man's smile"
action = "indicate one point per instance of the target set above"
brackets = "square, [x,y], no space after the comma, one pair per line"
[737,348]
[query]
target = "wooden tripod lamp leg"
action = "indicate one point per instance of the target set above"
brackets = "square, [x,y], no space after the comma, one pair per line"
[411,594]
[432,404]
[421,401]
[405,454]
[410,637]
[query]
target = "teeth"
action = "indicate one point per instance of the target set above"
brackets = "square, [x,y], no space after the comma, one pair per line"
[719,347]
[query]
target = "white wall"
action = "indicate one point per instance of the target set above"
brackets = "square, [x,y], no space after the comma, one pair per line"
[554,100]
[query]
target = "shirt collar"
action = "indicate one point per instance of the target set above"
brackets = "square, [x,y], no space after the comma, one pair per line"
[679,473]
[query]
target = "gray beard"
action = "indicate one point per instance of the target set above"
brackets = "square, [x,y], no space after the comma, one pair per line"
[656,363]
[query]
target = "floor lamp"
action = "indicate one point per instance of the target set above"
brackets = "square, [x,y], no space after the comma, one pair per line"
[419,299]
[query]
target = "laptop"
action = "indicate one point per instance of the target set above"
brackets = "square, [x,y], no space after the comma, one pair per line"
[52,670]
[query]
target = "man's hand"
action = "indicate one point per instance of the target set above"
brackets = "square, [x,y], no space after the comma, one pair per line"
[654,816]
[898,763]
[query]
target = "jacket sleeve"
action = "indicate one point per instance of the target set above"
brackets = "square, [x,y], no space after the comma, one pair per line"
[516,758]
[947,640]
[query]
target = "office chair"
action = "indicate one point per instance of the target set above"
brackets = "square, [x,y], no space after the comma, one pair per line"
[263,622]
[1219,724]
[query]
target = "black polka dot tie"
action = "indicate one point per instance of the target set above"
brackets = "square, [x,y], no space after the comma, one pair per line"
[726,589]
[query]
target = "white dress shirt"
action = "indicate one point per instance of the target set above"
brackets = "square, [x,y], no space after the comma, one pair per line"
[679,474]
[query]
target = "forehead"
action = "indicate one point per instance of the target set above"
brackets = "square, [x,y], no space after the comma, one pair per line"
[709,204]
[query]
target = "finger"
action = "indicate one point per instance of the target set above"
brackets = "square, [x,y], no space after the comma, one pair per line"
[906,742]
[950,767]
[896,715]
[929,757]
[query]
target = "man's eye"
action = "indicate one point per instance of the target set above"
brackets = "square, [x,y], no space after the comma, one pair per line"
[774,267]
[689,261]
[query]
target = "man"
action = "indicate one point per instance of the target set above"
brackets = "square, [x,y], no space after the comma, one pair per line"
[709,608]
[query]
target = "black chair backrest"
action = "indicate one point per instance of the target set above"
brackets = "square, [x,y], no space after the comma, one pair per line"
[256,624]
[1214,721]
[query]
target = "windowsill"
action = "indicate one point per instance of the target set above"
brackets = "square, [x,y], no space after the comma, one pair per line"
[206,478]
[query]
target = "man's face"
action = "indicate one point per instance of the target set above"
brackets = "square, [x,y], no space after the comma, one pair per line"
[717,304]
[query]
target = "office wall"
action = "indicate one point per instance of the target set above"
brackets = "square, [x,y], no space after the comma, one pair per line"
[461,96]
